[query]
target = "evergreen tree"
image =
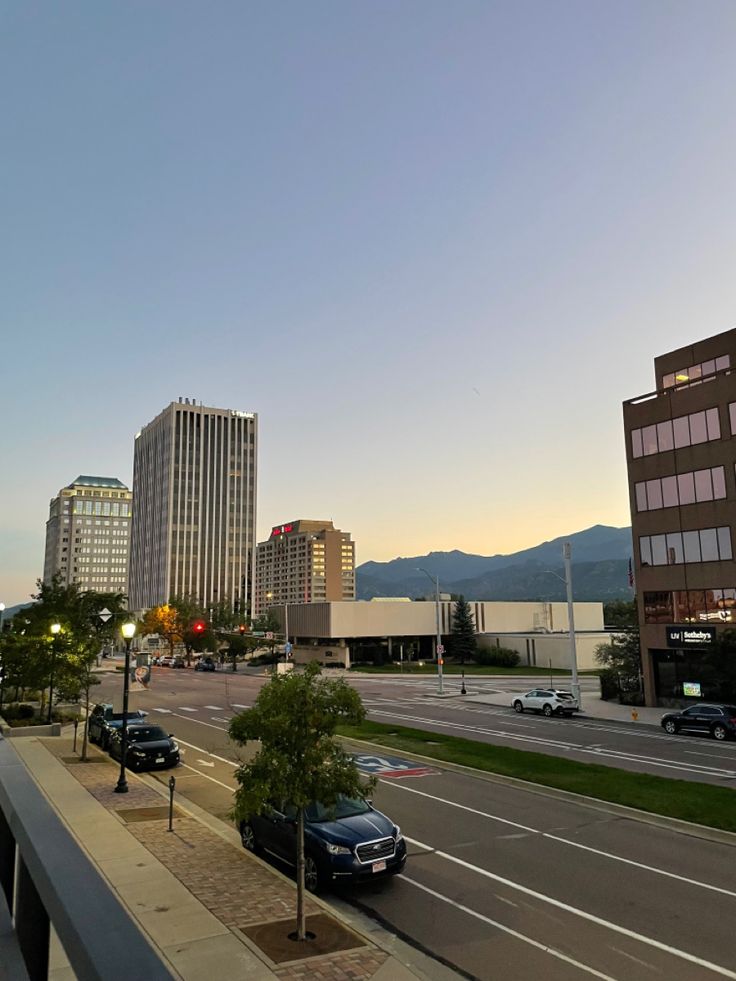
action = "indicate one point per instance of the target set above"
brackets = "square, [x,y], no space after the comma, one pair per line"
[463,642]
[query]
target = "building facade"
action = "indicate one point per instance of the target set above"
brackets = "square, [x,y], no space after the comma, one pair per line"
[88,534]
[681,454]
[193,529]
[304,562]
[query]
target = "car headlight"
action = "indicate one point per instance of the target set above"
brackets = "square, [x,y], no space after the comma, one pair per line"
[337,849]
[397,834]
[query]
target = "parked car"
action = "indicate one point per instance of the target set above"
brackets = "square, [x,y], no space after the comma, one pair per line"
[204,664]
[718,721]
[103,722]
[179,662]
[149,748]
[548,701]
[351,841]
[166,661]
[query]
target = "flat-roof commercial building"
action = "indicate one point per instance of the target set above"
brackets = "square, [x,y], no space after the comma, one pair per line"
[681,453]
[88,534]
[304,562]
[194,486]
[353,630]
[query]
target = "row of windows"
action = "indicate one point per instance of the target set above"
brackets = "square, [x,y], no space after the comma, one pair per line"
[689,430]
[102,507]
[696,372]
[685,488]
[674,548]
[688,605]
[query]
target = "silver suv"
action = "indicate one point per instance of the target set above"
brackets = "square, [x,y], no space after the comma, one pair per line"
[548,701]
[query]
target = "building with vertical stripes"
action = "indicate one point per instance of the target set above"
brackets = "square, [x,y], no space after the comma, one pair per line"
[193,528]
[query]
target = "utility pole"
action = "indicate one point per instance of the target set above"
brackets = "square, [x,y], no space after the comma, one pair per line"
[567,555]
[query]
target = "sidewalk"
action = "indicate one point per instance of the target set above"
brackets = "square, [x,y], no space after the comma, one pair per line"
[209,908]
[593,707]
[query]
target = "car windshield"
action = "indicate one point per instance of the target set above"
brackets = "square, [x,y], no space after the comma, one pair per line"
[146,735]
[342,808]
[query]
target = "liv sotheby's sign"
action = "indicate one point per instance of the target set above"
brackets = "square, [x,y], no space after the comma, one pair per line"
[690,636]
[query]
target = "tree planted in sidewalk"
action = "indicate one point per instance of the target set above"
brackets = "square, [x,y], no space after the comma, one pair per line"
[164,620]
[299,760]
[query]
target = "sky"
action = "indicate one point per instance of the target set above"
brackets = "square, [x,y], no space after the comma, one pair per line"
[433,245]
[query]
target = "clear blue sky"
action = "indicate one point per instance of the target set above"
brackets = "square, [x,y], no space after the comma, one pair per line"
[434,245]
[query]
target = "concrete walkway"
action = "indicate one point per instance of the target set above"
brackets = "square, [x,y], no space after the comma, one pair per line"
[195,893]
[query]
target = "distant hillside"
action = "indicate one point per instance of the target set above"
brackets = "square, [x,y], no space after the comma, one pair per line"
[600,571]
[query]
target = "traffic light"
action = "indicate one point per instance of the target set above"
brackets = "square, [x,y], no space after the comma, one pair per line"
[242,629]
[198,626]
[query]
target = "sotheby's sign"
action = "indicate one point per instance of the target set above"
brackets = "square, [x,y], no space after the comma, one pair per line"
[690,636]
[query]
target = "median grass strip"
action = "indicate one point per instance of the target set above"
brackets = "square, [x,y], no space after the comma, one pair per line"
[687,800]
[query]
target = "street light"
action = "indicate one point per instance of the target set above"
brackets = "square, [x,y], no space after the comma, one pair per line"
[567,556]
[438,648]
[128,634]
[55,628]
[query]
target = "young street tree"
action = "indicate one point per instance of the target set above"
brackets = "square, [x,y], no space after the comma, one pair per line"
[299,760]
[165,621]
[463,642]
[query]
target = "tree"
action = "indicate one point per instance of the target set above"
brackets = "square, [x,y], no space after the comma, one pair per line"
[622,655]
[299,761]
[620,613]
[165,621]
[719,663]
[463,641]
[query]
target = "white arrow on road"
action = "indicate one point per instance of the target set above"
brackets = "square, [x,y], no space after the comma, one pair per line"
[205,763]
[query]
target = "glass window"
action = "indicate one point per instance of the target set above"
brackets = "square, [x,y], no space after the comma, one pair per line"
[659,549]
[691,546]
[681,431]
[669,492]
[686,488]
[636,447]
[719,482]
[649,440]
[698,608]
[709,367]
[674,549]
[713,423]
[703,486]
[714,600]
[645,550]
[698,428]
[709,545]
[665,437]
[723,362]
[681,612]
[668,380]
[696,372]
[732,416]
[654,495]
[724,543]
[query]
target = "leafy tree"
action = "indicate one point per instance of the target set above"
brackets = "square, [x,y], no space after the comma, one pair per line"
[719,663]
[299,761]
[620,613]
[463,641]
[165,621]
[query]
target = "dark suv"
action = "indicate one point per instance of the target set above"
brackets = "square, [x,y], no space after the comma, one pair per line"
[348,842]
[103,722]
[717,720]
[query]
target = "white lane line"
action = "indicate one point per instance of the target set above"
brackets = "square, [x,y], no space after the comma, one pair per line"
[513,933]
[163,711]
[183,708]
[217,718]
[207,777]
[237,705]
[199,722]
[583,914]
[564,841]
[214,756]
[215,708]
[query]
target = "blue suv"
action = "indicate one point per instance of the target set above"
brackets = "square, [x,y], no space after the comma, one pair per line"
[350,841]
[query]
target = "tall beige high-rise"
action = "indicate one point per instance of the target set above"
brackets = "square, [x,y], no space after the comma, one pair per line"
[193,531]
[88,534]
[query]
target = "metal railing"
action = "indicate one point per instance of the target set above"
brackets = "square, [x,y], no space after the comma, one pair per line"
[46,878]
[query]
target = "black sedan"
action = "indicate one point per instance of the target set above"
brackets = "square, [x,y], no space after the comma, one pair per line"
[149,748]
[350,841]
[719,721]
[205,664]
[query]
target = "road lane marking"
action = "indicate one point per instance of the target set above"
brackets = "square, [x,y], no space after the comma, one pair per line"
[513,933]
[215,708]
[583,914]
[183,708]
[214,756]
[208,777]
[163,711]
[216,718]
[237,705]
[565,841]
[199,722]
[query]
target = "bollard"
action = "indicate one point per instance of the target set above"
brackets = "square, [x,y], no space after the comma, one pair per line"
[172,786]
[462,690]
[76,725]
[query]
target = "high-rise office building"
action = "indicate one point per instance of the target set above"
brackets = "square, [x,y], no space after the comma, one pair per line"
[88,534]
[681,453]
[304,562]
[193,530]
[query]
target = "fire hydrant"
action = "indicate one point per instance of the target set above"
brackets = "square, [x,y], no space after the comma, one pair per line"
[634,714]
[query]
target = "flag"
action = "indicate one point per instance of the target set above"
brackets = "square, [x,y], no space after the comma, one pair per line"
[631,575]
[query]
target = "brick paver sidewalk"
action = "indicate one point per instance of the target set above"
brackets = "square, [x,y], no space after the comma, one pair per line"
[234,886]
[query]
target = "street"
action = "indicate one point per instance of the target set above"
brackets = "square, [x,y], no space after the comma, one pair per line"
[501,882]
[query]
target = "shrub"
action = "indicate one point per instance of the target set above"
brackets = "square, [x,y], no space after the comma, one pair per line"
[500,657]
[12,712]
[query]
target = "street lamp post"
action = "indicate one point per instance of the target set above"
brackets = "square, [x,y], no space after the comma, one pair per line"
[2,610]
[55,628]
[438,643]
[128,634]
[567,555]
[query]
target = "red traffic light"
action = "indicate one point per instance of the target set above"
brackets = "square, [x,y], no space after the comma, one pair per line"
[198,627]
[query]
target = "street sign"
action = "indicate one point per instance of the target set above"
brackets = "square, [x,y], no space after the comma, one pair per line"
[258,633]
[440,649]
[269,635]
[104,615]
[287,648]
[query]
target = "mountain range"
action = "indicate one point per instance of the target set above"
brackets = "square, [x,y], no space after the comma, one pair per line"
[600,566]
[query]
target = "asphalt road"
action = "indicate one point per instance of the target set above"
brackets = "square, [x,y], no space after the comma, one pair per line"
[501,882]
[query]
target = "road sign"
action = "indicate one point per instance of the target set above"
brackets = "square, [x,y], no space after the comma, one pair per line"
[287,648]
[440,649]
[269,635]
[104,615]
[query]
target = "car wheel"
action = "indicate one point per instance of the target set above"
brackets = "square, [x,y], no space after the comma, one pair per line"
[312,878]
[518,707]
[670,726]
[719,732]
[248,837]
[547,711]
[90,736]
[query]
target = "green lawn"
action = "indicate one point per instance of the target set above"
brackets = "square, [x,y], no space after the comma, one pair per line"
[469,669]
[701,803]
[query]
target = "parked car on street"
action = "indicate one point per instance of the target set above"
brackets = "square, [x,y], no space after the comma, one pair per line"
[351,841]
[149,748]
[103,722]
[204,664]
[548,701]
[718,721]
